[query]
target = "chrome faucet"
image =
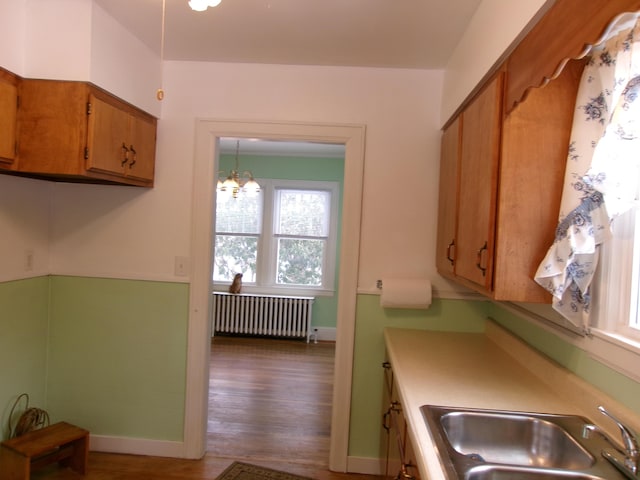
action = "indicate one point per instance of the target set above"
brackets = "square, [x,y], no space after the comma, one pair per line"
[631,464]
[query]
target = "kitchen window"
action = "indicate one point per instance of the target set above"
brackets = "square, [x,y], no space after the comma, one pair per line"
[283,238]
[617,285]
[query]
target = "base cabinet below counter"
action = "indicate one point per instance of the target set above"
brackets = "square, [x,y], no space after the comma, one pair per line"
[396,451]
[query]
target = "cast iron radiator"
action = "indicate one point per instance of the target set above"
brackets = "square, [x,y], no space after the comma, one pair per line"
[262,315]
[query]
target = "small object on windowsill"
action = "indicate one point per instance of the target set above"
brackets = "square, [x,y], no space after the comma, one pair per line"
[236,285]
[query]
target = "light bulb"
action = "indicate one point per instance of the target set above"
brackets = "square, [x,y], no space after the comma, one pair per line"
[202,5]
[198,5]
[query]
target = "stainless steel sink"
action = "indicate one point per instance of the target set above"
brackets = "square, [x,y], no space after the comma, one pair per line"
[477,444]
[512,473]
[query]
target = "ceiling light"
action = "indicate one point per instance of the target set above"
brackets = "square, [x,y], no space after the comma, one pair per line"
[202,5]
[232,183]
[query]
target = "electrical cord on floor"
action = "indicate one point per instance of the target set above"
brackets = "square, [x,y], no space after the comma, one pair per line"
[31,419]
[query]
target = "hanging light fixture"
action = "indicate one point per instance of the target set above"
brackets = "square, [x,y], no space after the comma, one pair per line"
[234,183]
[202,5]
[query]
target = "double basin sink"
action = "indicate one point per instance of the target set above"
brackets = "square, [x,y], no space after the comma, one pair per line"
[476,444]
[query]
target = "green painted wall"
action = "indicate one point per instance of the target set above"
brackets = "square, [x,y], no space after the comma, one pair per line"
[369,352]
[293,168]
[23,345]
[117,358]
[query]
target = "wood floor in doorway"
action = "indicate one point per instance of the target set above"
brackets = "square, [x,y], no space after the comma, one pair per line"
[270,399]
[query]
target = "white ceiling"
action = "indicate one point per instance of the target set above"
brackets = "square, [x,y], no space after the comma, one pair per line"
[360,33]
[371,33]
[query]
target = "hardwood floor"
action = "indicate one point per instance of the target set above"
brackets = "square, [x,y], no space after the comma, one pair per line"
[269,404]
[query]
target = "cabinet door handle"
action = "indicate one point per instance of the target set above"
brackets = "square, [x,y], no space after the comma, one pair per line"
[125,155]
[479,259]
[385,419]
[133,158]
[449,248]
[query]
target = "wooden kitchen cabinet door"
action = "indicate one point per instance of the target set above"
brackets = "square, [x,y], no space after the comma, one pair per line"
[120,143]
[479,161]
[448,198]
[108,132]
[142,148]
[8,116]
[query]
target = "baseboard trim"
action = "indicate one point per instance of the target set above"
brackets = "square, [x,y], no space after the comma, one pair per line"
[137,446]
[323,334]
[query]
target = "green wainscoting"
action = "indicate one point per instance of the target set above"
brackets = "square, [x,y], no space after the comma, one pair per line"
[369,352]
[117,358]
[23,344]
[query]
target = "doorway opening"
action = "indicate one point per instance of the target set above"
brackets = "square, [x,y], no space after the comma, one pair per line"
[270,398]
[208,133]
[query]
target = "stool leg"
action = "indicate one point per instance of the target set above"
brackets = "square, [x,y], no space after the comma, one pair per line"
[14,466]
[78,460]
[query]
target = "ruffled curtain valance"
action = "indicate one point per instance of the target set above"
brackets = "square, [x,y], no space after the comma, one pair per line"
[602,173]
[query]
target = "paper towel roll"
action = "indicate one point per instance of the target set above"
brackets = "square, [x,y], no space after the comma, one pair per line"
[405,293]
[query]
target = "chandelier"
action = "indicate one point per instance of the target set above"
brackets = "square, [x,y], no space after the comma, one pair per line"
[202,5]
[234,181]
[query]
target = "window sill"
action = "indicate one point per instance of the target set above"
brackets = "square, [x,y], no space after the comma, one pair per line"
[613,350]
[294,292]
[619,353]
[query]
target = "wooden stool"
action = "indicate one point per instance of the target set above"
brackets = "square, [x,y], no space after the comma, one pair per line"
[60,442]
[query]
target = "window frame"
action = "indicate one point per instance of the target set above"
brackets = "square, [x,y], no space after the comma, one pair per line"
[612,340]
[266,265]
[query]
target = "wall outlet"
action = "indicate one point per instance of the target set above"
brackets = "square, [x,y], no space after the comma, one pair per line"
[182,267]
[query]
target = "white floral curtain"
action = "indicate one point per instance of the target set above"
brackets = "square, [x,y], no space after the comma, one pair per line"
[603,167]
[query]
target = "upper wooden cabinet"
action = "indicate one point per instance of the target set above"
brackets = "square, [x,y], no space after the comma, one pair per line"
[75,131]
[513,147]
[511,172]
[8,116]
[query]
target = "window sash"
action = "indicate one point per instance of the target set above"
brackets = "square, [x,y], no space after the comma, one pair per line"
[266,278]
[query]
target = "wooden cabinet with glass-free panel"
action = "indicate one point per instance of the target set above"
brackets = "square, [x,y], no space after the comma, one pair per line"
[396,451]
[75,131]
[510,180]
[8,117]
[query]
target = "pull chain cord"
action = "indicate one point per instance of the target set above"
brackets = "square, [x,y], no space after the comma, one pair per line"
[160,91]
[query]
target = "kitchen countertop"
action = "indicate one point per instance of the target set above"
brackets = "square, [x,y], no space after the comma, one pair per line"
[492,370]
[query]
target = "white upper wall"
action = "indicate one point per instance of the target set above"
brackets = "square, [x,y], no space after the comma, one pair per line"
[494,27]
[122,64]
[77,40]
[139,232]
[58,39]
[12,25]
[24,223]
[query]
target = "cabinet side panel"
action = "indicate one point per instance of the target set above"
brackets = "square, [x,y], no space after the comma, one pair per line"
[8,119]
